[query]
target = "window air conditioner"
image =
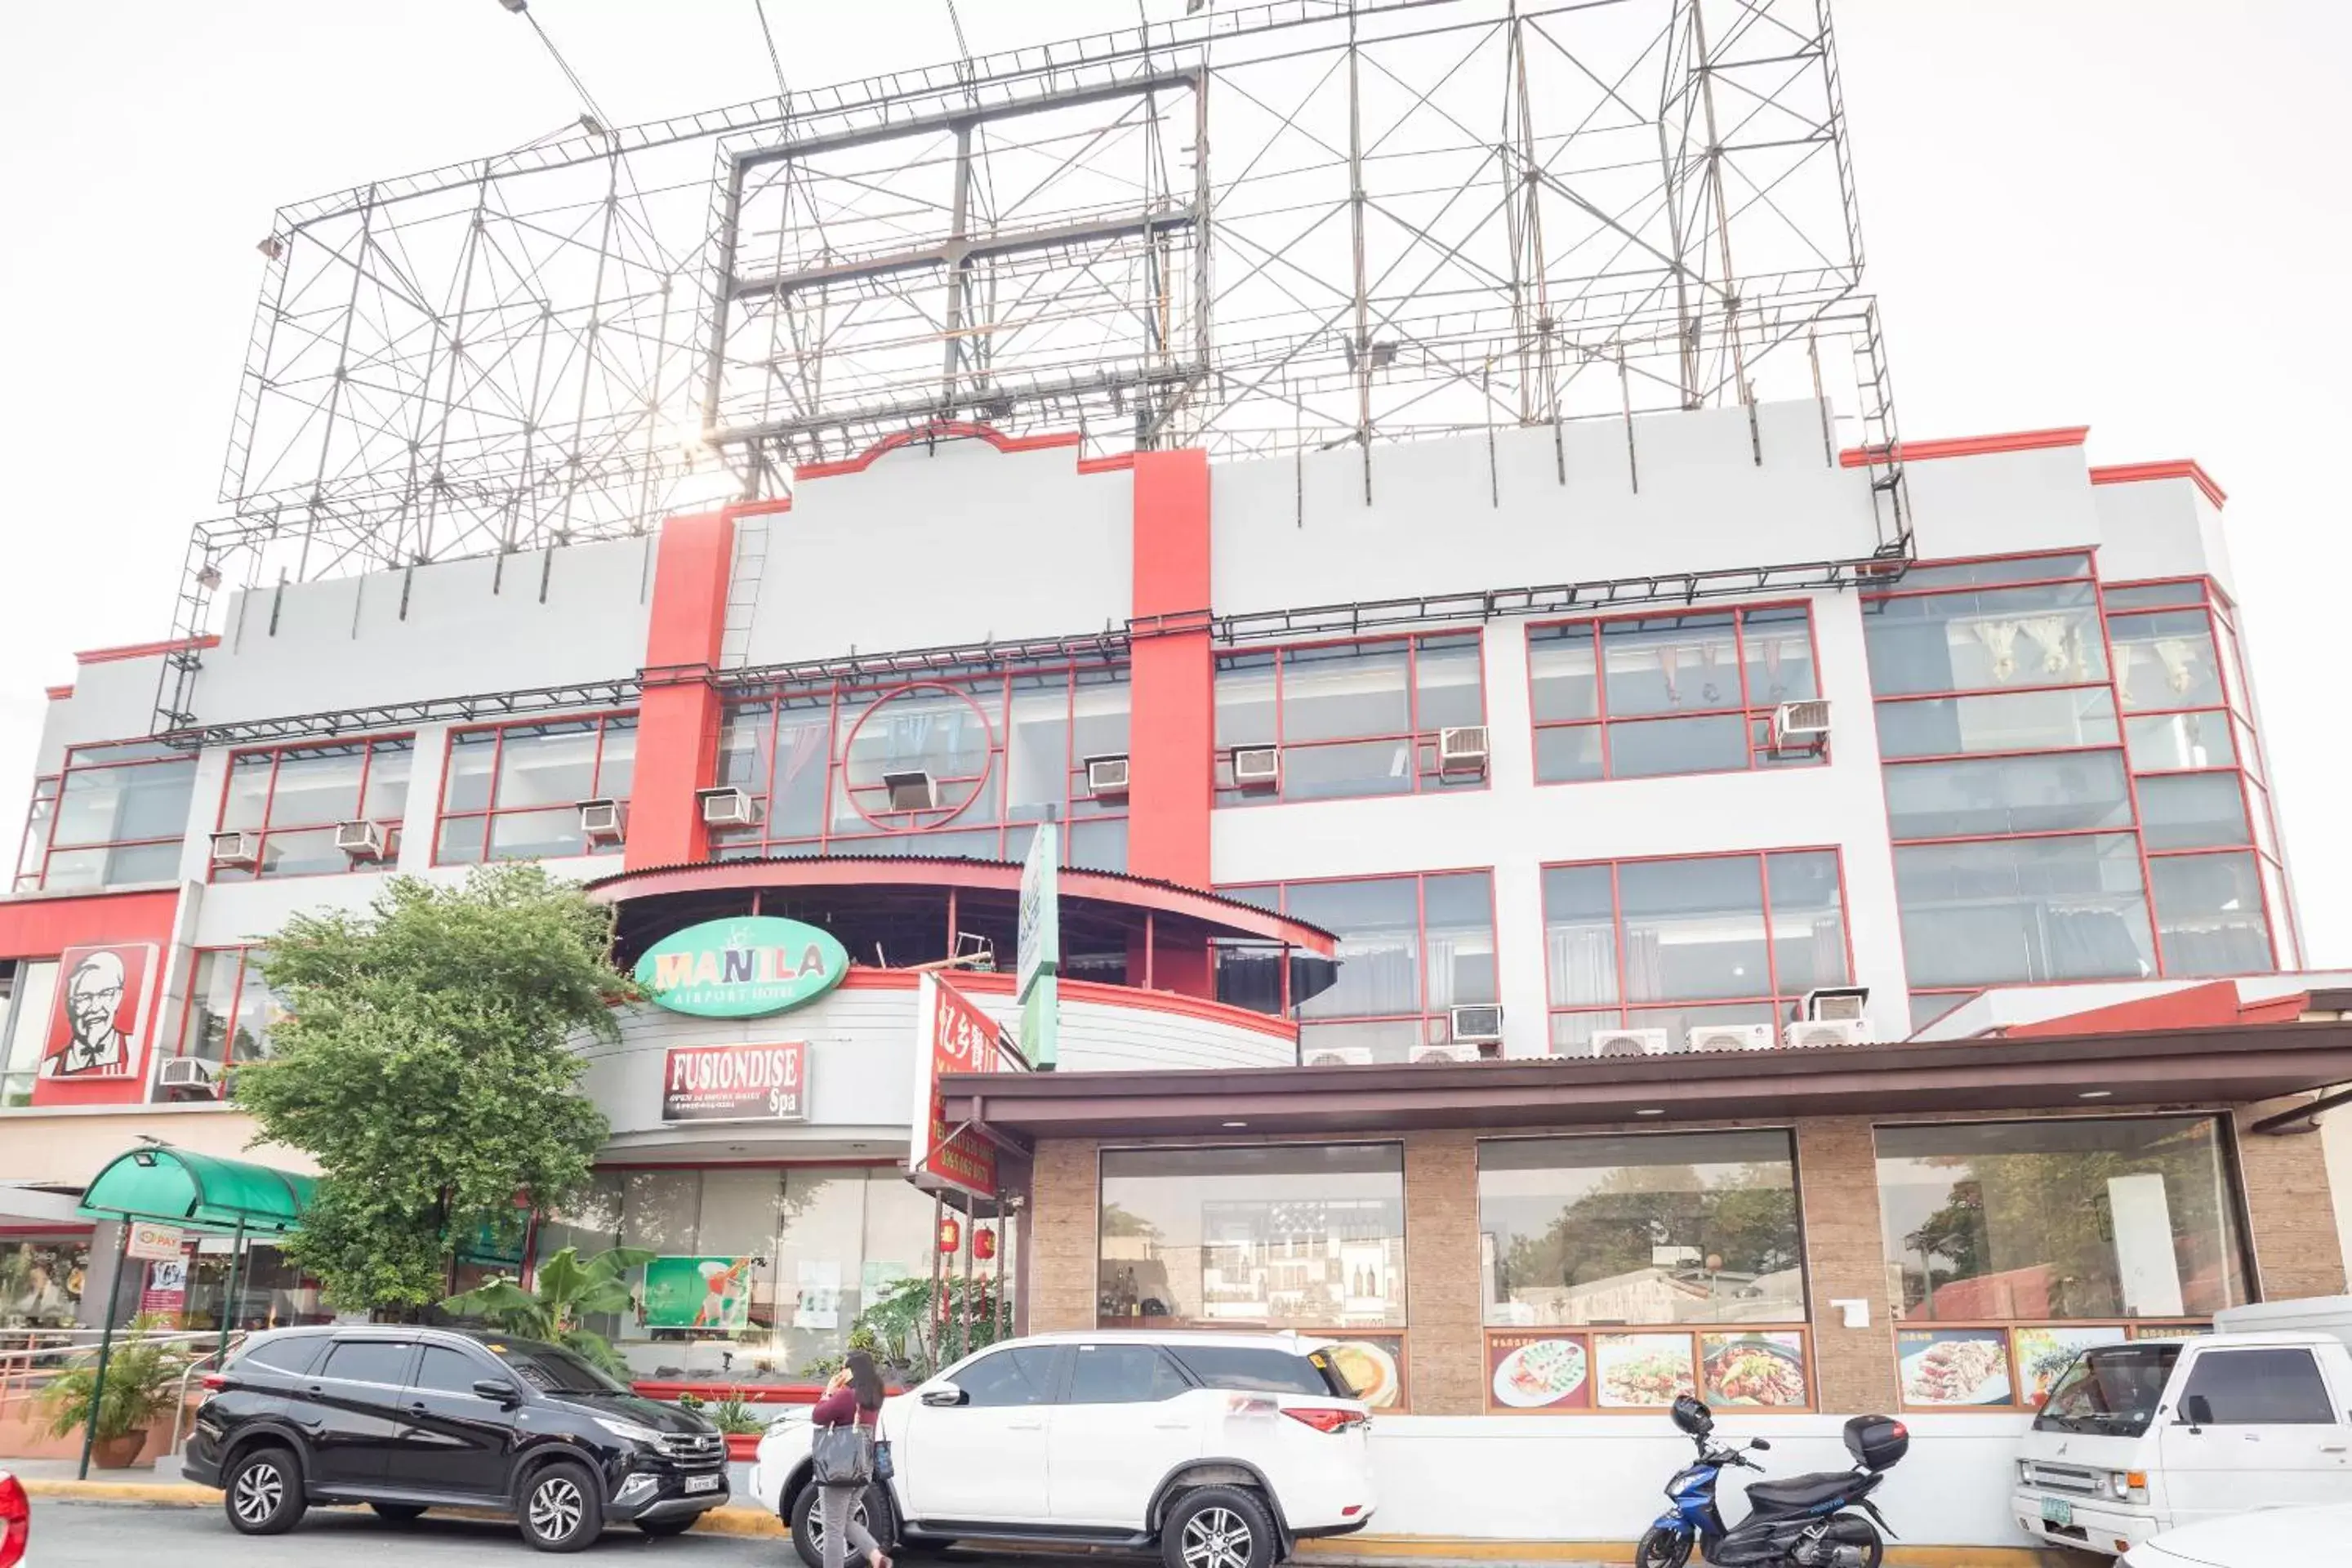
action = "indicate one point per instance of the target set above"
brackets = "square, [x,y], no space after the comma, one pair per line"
[1446,1053]
[603,821]
[1825,1032]
[913,791]
[1827,1004]
[1476,1024]
[1629,1043]
[1256,767]
[185,1072]
[727,807]
[1339,1056]
[1462,750]
[238,851]
[1802,726]
[360,840]
[1106,778]
[1731,1037]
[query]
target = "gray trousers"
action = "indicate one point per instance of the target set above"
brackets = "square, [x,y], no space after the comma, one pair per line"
[843,1534]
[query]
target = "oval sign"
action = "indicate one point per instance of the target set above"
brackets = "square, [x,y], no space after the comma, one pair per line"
[741,968]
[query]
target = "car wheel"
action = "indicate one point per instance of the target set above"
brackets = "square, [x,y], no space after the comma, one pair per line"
[808,1523]
[561,1509]
[658,1528]
[1218,1527]
[398,1512]
[263,1492]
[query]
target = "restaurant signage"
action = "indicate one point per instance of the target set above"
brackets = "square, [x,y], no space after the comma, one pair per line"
[741,968]
[152,1241]
[736,1083]
[953,1035]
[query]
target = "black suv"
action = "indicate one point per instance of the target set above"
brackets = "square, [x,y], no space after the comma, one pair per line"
[404,1419]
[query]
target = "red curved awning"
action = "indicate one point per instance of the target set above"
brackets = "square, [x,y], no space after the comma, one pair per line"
[1226,917]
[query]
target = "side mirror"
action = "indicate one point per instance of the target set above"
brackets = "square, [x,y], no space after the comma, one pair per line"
[2197,1410]
[943,1394]
[497,1390]
[1760,1445]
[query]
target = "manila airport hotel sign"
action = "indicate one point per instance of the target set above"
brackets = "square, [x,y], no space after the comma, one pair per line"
[745,968]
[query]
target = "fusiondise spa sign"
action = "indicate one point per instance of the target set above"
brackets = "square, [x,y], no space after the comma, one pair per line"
[741,968]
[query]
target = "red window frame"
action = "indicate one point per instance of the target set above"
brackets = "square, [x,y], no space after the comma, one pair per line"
[32,852]
[1759,755]
[87,759]
[1425,775]
[369,745]
[1427,1017]
[1624,1006]
[244,962]
[487,815]
[1076,810]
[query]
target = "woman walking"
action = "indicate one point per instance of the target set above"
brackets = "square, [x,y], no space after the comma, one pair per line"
[854,1398]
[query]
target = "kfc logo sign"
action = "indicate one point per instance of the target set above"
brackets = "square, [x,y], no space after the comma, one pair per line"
[94,1021]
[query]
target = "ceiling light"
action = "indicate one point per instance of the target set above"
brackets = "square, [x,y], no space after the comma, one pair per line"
[1653,1110]
[1236,1124]
[2096,1094]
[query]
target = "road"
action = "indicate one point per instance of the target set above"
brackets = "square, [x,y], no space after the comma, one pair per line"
[110,1536]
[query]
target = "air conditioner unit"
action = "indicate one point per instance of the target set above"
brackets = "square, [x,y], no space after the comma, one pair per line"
[1256,767]
[1106,778]
[236,852]
[1446,1053]
[185,1072]
[1472,1025]
[1802,726]
[1339,1056]
[603,821]
[1825,1032]
[727,807]
[913,791]
[1730,1038]
[360,840]
[1462,750]
[1827,1004]
[1629,1043]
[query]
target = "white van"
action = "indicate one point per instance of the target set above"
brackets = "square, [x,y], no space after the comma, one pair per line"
[2144,1437]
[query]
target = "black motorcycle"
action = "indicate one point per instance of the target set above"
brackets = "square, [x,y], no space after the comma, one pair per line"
[1805,1522]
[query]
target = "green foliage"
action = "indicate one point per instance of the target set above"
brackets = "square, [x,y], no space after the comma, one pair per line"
[922,1328]
[690,1400]
[424,1064]
[566,1289]
[142,1377]
[735,1416]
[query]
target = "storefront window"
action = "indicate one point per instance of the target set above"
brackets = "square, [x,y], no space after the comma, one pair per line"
[31,989]
[1288,1236]
[122,811]
[271,1292]
[41,1280]
[2059,1219]
[514,794]
[295,796]
[1668,1228]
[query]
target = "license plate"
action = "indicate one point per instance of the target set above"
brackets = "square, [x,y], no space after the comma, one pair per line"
[2057,1511]
[712,1483]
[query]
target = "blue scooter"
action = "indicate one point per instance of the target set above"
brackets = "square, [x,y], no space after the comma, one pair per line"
[1806,1522]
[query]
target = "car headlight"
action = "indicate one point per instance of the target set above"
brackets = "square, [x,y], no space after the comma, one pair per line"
[2128,1486]
[630,1432]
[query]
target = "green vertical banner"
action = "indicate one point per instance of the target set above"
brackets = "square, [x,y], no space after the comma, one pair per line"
[1035,982]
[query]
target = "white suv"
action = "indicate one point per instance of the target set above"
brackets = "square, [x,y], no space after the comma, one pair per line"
[1220,1448]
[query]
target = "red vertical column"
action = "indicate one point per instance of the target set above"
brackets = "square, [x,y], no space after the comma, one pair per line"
[678,716]
[1172,783]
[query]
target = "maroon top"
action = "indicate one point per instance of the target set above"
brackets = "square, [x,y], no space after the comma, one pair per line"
[840,1407]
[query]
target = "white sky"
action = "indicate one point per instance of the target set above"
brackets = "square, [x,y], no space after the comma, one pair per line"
[2130,214]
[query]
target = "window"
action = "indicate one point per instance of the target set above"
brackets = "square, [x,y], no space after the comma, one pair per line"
[1251,1371]
[1284,1235]
[1350,718]
[444,1370]
[1993,639]
[2002,796]
[2178,743]
[551,1369]
[2193,811]
[2260,1388]
[2114,1391]
[41,1280]
[514,792]
[1653,694]
[2210,914]
[291,1355]
[1009,1377]
[295,796]
[960,764]
[2023,910]
[1123,1375]
[25,1028]
[1409,949]
[230,1009]
[2059,1219]
[116,819]
[2166,661]
[384,1362]
[2066,719]
[1678,944]
[1696,1227]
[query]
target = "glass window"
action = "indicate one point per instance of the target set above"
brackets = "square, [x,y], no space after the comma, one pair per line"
[381,1362]
[1339,692]
[1694,928]
[444,1371]
[1123,1375]
[2151,595]
[1984,641]
[2260,1388]
[230,1010]
[2191,811]
[2011,569]
[2023,910]
[1696,1227]
[1351,719]
[2174,742]
[2054,720]
[33,849]
[514,792]
[2008,794]
[1251,1371]
[291,1355]
[2209,914]
[2114,1390]
[1285,1236]
[551,1369]
[1022,1376]
[117,821]
[295,798]
[32,990]
[2057,1219]
[41,1280]
[2166,661]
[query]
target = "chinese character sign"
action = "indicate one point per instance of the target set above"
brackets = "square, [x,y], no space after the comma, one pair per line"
[955,1036]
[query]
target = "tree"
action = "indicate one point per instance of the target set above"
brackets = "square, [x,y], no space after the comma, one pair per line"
[426,1065]
[565,1292]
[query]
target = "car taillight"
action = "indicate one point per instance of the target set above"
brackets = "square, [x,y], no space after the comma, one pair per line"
[1323,1420]
[15,1520]
[215,1381]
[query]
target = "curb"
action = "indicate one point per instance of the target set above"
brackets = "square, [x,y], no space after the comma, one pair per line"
[747,1521]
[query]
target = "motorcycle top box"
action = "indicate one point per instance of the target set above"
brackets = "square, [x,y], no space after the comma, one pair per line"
[1876,1442]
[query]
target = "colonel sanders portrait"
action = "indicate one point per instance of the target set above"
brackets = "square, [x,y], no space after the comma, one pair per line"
[94,1045]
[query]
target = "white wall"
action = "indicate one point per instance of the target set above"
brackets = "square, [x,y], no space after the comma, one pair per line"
[2003,503]
[2159,528]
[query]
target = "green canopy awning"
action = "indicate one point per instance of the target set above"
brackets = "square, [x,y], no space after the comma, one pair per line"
[180,1186]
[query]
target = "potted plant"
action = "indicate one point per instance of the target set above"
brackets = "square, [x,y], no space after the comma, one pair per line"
[142,1379]
[742,1426]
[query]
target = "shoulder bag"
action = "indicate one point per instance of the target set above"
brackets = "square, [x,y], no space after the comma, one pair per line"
[885,1469]
[841,1456]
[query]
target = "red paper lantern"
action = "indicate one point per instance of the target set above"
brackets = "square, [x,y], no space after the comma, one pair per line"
[950,1235]
[983,1243]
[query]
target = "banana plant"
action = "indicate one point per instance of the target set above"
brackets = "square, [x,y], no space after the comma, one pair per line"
[566,1290]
